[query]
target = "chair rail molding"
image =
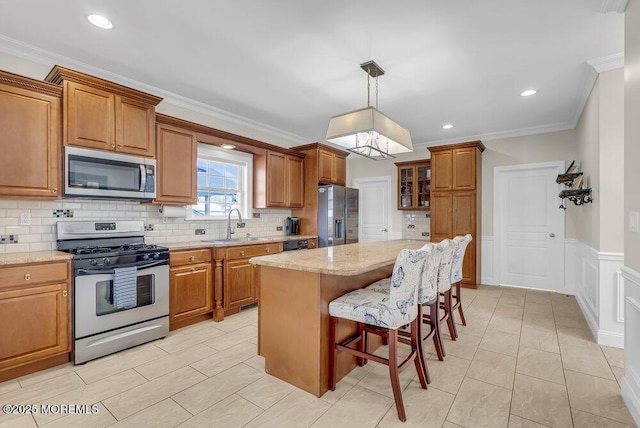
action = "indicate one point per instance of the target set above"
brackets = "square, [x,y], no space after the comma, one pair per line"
[631,380]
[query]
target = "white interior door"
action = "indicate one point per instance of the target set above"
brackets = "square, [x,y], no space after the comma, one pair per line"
[374,208]
[529,225]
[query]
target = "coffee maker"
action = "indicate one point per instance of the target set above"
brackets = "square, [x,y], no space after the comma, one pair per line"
[292,226]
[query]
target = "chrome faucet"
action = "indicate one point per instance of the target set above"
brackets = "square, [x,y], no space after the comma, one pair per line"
[229,230]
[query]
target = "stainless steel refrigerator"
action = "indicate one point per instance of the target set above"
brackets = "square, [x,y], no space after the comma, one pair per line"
[337,215]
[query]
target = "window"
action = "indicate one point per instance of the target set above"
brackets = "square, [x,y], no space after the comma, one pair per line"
[224,182]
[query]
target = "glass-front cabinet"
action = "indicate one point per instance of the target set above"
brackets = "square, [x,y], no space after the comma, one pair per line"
[414,185]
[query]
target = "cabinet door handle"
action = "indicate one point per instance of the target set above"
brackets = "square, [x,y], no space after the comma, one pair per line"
[267,250]
[241,253]
[192,258]
[113,144]
[55,190]
[64,293]
[193,269]
[27,276]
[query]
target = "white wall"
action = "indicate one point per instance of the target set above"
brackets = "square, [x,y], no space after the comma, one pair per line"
[631,269]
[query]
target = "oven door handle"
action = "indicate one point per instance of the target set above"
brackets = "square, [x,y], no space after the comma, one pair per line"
[111,271]
[143,177]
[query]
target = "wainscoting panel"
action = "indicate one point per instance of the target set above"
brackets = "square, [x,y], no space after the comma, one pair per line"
[570,263]
[611,285]
[631,380]
[587,284]
[488,262]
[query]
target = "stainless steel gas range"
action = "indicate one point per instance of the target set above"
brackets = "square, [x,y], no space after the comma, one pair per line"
[121,286]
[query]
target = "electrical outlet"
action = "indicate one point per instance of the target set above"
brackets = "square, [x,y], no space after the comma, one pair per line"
[201,231]
[279,228]
[241,225]
[25,219]
[256,215]
[8,239]
[411,226]
[148,227]
[425,233]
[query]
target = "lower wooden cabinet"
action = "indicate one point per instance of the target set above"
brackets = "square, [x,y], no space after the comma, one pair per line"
[191,287]
[35,318]
[235,278]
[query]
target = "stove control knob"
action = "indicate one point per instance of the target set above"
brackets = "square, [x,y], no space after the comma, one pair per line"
[106,261]
[145,257]
[93,262]
[156,256]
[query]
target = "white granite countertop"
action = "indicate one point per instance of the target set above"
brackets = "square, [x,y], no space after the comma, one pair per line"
[344,260]
[33,257]
[206,242]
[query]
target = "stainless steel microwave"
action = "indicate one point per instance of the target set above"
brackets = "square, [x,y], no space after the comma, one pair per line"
[100,174]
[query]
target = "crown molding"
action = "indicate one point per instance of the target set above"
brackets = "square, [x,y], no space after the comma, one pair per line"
[42,56]
[614,6]
[510,133]
[607,63]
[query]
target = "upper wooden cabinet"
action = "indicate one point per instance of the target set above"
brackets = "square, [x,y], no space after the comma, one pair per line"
[414,185]
[102,115]
[30,124]
[177,151]
[278,180]
[454,168]
[332,168]
[322,165]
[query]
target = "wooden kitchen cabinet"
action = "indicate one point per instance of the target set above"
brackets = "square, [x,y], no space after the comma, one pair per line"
[190,287]
[455,200]
[35,317]
[103,115]
[177,153]
[322,165]
[235,278]
[414,185]
[278,180]
[30,122]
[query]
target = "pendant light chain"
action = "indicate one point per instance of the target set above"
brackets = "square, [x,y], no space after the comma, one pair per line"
[376,91]
[368,87]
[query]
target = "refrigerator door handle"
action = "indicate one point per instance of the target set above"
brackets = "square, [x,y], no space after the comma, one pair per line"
[338,229]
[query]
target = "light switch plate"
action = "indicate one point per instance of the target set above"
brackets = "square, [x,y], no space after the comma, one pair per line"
[634,221]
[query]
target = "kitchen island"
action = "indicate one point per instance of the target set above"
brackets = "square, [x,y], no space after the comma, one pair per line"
[295,289]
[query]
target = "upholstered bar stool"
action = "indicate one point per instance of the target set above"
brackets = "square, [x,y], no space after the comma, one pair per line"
[446,248]
[383,314]
[460,243]
[427,302]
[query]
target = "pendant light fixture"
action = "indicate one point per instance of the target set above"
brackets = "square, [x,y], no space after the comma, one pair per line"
[367,131]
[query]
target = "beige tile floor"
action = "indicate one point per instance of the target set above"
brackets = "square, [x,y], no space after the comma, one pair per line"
[526,359]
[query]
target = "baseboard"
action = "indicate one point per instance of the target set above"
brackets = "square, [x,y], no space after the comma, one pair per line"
[608,338]
[588,315]
[631,393]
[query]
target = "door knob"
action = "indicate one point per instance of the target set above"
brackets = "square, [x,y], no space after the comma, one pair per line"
[552,235]
[384,230]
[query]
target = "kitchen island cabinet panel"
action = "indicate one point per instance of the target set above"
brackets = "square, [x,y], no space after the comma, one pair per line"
[30,120]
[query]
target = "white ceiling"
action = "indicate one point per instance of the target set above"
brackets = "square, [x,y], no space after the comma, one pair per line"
[292,64]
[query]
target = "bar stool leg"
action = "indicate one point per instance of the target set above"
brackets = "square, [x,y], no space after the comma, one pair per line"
[393,374]
[362,344]
[416,340]
[447,309]
[435,325]
[333,353]
[459,303]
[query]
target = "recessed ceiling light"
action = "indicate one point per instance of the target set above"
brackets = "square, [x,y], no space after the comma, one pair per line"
[528,93]
[228,146]
[100,21]
[447,126]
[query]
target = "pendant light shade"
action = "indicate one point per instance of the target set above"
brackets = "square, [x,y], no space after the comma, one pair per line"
[367,131]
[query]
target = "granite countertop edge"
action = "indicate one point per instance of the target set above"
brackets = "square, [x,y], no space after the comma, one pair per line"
[8,259]
[204,243]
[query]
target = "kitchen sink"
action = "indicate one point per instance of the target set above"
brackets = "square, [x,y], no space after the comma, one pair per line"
[226,241]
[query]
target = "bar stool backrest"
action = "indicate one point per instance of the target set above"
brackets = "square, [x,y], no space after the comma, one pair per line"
[445,247]
[460,246]
[405,281]
[429,284]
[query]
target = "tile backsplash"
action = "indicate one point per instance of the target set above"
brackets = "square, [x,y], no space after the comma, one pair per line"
[40,235]
[420,222]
